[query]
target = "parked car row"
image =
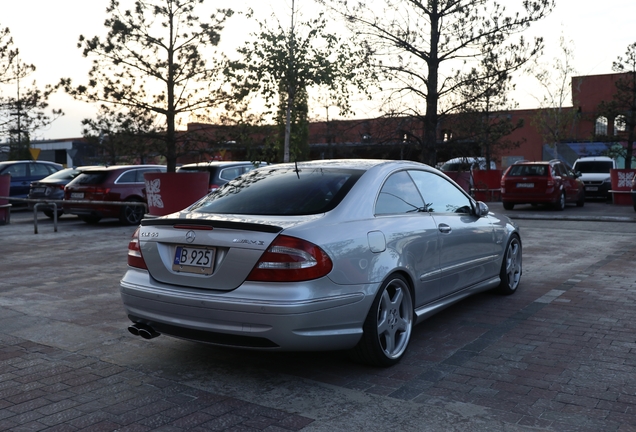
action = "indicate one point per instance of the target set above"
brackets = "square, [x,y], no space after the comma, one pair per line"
[82,187]
[52,188]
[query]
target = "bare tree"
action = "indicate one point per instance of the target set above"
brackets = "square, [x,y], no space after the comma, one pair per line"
[428,51]
[153,59]
[622,107]
[283,63]
[554,120]
[23,107]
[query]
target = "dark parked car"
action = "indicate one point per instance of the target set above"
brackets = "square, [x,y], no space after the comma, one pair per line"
[24,172]
[323,255]
[52,188]
[221,172]
[114,183]
[541,183]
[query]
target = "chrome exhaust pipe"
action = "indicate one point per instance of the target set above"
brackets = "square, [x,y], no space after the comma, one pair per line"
[143,330]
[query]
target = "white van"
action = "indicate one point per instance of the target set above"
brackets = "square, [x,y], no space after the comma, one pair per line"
[595,173]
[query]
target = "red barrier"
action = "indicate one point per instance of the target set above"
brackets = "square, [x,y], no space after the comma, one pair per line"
[170,192]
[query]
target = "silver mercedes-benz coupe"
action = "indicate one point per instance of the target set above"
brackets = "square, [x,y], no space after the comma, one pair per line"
[321,255]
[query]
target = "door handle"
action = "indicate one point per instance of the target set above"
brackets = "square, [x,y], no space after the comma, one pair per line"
[443,228]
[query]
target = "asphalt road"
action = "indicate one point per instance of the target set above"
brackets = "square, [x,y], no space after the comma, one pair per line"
[558,355]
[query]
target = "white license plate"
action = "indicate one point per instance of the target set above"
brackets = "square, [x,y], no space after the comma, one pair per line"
[77,195]
[193,260]
[525,185]
[591,188]
[38,190]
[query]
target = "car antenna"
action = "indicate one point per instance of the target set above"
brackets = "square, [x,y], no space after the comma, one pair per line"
[297,171]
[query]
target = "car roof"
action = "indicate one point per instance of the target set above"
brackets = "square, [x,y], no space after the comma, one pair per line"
[536,162]
[219,163]
[119,167]
[29,161]
[595,158]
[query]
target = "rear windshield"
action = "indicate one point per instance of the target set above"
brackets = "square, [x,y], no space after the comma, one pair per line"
[91,178]
[282,191]
[456,166]
[528,170]
[65,174]
[592,167]
[201,168]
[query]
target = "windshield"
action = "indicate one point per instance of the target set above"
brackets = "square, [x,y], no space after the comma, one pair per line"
[283,191]
[592,167]
[528,170]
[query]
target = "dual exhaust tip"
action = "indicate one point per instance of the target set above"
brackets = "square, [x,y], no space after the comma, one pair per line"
[143,330]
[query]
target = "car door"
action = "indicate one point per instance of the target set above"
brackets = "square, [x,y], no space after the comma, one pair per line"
[467,241]
[410,233]
[19,179]
[570,183]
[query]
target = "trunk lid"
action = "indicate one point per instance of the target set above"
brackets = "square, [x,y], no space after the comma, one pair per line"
[213,252]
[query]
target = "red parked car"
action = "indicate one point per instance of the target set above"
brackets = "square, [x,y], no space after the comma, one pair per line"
[541,183]
[114,183]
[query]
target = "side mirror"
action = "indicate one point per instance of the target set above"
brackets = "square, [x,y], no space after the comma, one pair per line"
[482,209]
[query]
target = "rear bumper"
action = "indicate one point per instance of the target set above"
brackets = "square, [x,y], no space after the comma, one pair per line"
[516,198]
[251,316]
[102,211]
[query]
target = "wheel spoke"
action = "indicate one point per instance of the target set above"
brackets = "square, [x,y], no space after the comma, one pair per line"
[513,266]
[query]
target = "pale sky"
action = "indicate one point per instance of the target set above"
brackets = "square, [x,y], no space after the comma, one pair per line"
[46,33]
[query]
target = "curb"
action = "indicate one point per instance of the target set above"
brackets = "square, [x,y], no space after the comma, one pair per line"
[572,218]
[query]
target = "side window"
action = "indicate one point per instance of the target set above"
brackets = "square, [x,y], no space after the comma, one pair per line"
[127,177]
[139,178]
[17,170]
[398,195]
[440,195]
[231,173]
[557,170]
[39,170]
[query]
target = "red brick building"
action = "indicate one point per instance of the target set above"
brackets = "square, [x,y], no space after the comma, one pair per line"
[397,138]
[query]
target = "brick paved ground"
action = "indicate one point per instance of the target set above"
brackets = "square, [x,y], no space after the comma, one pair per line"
[559,355]
[44,388]
[565,361]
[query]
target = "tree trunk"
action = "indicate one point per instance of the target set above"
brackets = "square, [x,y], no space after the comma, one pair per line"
[429,144]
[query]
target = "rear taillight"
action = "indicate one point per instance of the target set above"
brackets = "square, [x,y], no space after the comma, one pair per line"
[99,190]
[135,259]
[289,259]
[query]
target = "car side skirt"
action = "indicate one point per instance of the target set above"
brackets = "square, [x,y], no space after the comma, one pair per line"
[430,309]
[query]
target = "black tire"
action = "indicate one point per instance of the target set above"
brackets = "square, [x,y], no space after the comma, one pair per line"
[581,201]
[90,219]
[133,214]
[560,204]
[511,267]
[508,206]
[388,326]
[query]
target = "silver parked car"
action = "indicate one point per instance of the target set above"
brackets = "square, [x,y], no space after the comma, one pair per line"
[322,255]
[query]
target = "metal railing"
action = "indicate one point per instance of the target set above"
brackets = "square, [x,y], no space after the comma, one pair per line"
[39,202]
